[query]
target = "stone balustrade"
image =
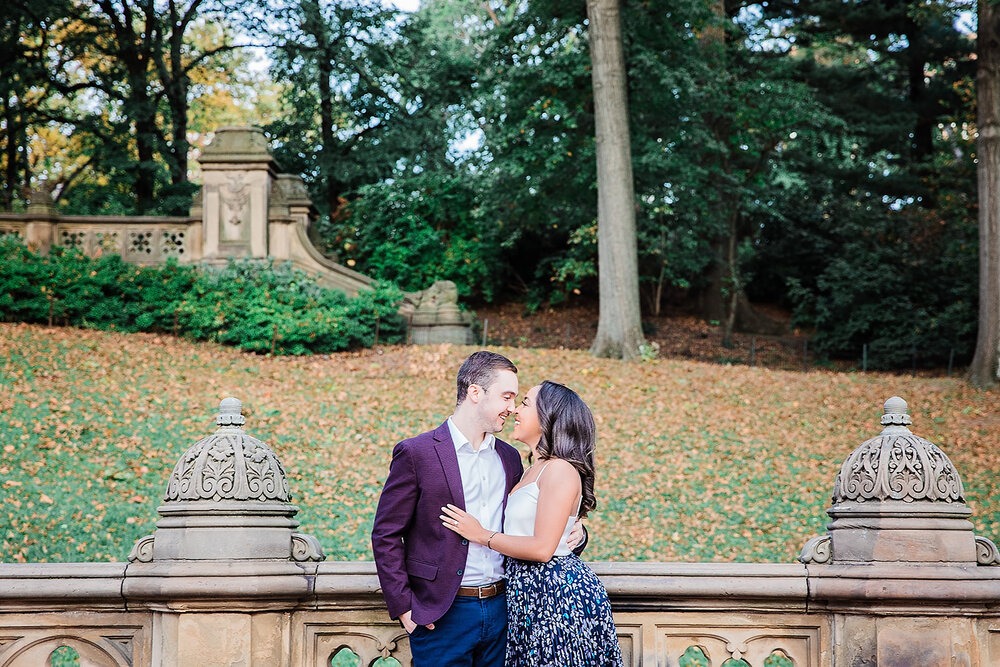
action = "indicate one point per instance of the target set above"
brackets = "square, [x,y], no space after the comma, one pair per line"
[146,240]
[243,209]
[900,580]
[291,614]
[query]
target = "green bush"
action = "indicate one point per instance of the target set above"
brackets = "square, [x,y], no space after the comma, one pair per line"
[254,305]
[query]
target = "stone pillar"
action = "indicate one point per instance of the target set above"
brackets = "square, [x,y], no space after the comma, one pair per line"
[898,513]
[40,230]
[238,172]
[289,210]
[226,533]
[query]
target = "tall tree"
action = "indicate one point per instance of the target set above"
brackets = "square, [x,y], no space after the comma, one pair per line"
[147,71]
[344,90]
[869,224]
[619,327]
[985,369]
[29,61]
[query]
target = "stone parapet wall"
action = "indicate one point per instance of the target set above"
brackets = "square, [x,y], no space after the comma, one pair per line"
[285,613]
[226,581]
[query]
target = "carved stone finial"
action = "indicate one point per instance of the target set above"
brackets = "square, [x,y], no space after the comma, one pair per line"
[229,465]
[895,410]
[227,498]
[230,413]
[897,498]
[898,465]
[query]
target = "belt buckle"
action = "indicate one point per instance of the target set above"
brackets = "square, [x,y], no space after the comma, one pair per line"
[482,591]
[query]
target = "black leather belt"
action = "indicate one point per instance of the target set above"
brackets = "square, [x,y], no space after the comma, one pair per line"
[482,592]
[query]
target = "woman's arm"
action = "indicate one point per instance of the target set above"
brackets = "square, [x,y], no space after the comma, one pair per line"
[558,491]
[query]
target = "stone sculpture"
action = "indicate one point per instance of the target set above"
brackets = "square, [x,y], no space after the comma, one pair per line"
[435,317]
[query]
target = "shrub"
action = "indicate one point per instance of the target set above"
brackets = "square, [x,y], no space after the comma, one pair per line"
[254,305]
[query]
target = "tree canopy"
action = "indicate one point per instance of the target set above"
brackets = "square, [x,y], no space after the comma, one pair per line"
[820,156]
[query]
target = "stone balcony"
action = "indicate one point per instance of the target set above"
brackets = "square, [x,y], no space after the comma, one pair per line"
[900,580]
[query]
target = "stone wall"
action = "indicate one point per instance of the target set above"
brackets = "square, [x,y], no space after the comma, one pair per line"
[226,581]
[245,208]
[287,614]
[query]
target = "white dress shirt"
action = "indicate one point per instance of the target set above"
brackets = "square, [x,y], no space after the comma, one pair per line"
[483,483]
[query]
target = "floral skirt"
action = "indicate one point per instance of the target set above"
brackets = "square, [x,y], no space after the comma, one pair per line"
[558,615]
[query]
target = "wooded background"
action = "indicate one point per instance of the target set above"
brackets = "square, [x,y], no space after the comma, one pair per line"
[817,155]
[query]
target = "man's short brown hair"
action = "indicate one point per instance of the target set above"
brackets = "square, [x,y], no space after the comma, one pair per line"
[479,369]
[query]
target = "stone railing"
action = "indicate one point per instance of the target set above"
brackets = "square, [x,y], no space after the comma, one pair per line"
[274,614]
[900,580]
[243,209]
[138,239]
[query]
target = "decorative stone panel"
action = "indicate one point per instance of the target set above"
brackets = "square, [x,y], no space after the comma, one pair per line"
[138,244]
[72,239]
[10,230]
[104,640]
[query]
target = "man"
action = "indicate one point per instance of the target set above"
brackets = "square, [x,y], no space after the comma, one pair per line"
[447,593]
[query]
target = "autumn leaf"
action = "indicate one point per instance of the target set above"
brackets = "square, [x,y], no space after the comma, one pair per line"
[695,461]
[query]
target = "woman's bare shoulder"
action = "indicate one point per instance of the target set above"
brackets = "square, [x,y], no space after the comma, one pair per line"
[559,470]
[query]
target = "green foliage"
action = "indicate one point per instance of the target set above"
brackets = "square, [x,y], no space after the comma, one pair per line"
[64,656]
[427,228]
[903,284]
[831,141]
[252,305]
[873,235]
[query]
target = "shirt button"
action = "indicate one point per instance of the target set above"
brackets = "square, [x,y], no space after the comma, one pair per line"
[460,573]
[464,542]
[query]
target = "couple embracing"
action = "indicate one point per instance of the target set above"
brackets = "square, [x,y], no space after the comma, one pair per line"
[475,555]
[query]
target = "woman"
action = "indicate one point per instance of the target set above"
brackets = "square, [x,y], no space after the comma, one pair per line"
[558,612]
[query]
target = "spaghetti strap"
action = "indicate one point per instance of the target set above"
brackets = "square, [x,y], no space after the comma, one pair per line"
[541,471]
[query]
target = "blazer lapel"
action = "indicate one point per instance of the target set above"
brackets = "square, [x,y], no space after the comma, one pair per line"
[445,448]
[509,470]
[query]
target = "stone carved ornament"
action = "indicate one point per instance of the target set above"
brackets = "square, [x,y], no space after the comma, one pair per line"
[898,465]
[228,465]
[438,304]
[238,199]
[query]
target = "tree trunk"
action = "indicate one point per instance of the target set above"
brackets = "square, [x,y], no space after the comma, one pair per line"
[735,288]
[712,300]
[176,89]
[144,118]
[133,50]
[619,327]
[985,369]
[12,117]
[922,144]
[10,155]
[330,191]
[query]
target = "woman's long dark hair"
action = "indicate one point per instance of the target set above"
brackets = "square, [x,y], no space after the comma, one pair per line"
[568,433]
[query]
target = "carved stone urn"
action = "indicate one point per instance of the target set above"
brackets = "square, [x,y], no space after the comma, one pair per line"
[899,498]
[227,498]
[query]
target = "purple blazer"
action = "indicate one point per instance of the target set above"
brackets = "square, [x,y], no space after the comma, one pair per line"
[419,561]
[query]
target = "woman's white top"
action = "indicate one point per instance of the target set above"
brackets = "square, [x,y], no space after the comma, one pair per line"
[519,517]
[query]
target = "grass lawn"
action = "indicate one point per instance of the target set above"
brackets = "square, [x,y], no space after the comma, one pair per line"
[696,462]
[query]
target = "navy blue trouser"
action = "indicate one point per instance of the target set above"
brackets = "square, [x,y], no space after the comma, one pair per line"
[472,633]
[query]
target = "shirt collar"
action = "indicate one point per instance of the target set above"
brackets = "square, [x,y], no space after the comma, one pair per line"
[459,439]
